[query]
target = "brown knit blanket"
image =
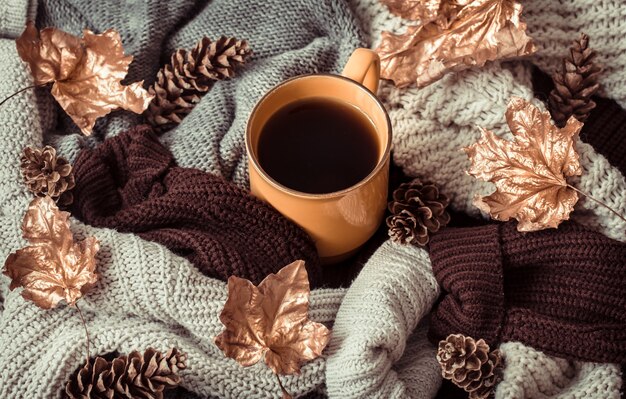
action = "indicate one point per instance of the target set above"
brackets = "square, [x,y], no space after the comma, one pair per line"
[131,183]
[560,291]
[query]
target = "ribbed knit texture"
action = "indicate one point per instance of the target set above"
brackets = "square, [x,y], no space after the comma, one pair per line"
[559,291]
[132,184]
[288,38]
[529,373]
[375,350]
[13,16]
[605,130]
[146,296]
[432,124]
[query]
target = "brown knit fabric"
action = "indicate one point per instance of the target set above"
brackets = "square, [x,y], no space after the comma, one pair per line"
[560,291]
[131,183]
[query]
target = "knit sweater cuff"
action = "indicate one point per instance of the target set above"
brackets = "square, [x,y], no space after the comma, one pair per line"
[13,16]
[467,263]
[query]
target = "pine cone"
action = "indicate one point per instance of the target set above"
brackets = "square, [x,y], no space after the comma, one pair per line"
[132,376]
[469,364]
[416,210]
[46,174]
[575,83]
[181,84]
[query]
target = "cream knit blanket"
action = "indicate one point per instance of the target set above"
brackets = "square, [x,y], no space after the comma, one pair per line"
[148,296]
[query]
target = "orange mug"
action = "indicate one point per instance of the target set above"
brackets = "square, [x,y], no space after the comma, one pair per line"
[338,222]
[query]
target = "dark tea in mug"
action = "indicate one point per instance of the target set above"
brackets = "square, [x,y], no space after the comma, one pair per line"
[318,146]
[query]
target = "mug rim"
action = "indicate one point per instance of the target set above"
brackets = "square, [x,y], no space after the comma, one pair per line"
[334,194]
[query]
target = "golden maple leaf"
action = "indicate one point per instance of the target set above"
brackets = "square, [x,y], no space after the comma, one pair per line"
[422,10]
[271,321]
[530,172]
[86,73]
[464,34]
[53,267]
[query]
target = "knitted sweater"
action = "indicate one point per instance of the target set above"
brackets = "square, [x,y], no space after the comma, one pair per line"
[561,291]
[132,184]
[431,124]
[129,310]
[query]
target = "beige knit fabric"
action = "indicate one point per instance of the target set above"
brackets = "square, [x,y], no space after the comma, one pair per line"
[554,24]
[149,297]
[531,374]
[375,350]
[432,124]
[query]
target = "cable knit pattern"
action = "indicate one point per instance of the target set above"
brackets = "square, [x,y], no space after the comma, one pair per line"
[132,184]
[150,297]
[560,291]
[146,296]
[554,24]
[374,351]
[211,138]
[432,124]
[531,374]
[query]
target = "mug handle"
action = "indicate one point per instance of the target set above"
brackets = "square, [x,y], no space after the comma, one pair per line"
[364,67]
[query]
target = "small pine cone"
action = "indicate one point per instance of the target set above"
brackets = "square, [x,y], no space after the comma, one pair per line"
[216,60]
[133,376]
[181,84]
[469,364]
[575,83]
[416,211]
[46,174]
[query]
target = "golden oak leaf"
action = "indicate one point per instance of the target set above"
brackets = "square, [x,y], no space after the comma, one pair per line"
[271,321]
[53,267]
[85,73]
[422,10]
[464,34]
[529,172]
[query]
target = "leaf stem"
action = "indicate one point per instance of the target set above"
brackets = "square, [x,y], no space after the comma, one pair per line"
[18,92]
[598,201]
[86,332]
[286,395]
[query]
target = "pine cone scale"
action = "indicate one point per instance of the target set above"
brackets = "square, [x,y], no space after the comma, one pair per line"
[575,84]
[137,376]
[416,211]
[469,364]
[190,74]
[46,174]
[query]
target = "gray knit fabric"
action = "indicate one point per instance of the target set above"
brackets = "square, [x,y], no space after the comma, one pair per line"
[287,39]
[149,297]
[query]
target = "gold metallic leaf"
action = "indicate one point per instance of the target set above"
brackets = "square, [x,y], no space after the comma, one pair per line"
[53,267]
[86,73]
[465,34]
[271,321]
[529,172]
[421,10]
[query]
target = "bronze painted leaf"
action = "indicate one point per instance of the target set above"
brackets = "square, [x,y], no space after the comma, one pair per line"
[85,73]
[54,267]
[529,172]
[271,322]
[465,34]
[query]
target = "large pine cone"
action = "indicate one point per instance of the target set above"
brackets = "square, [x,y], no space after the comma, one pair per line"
[134,376]
[190,74]
[575,83]
[46,174]
[469,364]
[416,211]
